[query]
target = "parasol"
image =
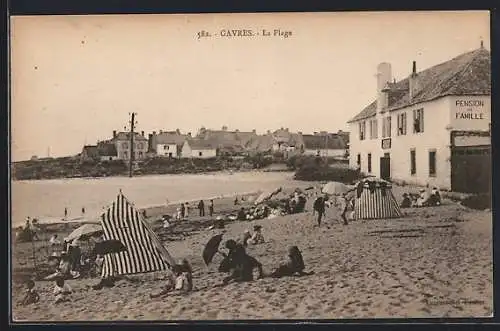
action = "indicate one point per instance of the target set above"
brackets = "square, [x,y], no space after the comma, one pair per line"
[83,231]
[211,248]
[109,246]
[335,188]
[267,195]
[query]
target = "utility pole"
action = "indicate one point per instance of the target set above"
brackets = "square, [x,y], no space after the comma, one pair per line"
[132,124]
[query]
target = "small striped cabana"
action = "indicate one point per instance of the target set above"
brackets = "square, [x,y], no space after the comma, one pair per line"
[144,253]
[374,200]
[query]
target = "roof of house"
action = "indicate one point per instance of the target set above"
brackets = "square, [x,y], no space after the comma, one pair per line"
[170,137]
[201,144]
[107,149]
[227,139]
[126,136]
[334,141]
[91,151]
[263,143]
[466,74]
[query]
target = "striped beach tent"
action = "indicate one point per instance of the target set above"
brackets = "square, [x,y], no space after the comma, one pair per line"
[144,251]
[374,200]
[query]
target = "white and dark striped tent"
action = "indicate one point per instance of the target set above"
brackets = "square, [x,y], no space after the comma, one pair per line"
[374,200]
[144,251]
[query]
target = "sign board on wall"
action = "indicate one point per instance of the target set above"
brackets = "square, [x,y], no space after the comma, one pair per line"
[471,113]
[386,143]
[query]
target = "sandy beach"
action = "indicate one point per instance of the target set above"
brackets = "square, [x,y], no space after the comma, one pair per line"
[434,262]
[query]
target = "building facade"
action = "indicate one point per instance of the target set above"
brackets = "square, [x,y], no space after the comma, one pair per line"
[198,149]
[122,140]
[416,128]
[167,143]
[325,144]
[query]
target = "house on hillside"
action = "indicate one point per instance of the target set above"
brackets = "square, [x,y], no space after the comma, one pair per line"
[89,153]
[325,144]
[431,128]
[167,143]
[107,151]
[286,141]
[121,140]
[227,142]
[198,148]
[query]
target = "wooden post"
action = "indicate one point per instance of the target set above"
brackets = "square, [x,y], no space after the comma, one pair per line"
[131,165]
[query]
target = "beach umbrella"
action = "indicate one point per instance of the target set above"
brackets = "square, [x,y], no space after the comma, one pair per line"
[335,188]
[109,246]
[85,230]
[211,248]
[267,195]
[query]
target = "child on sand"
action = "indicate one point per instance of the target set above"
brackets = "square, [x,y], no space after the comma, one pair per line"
[180,279]
[293,266]
[257,237]
[31,295]
[62,290]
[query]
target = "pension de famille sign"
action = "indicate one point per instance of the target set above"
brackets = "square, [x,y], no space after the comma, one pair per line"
[469,110]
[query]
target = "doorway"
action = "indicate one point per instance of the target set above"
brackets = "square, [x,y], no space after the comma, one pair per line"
[385,167]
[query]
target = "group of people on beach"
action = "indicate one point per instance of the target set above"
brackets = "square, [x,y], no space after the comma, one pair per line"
[183,211]
[423,199]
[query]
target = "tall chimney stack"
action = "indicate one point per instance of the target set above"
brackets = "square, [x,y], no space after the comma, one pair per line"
[413,81]
[384,76]
[114,133]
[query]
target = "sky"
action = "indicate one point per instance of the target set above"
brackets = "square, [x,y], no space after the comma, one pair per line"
[75,79]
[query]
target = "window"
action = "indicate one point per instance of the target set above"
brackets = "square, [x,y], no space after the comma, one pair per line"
[402,124]
[362,130]
[124,145]
[200,154]
[418,120]
[373,129]
[165,147]
[432,163]
[139,145]
[125,155]
[386,127]
[369,162]
[140,154]
[359,161]
[413,162]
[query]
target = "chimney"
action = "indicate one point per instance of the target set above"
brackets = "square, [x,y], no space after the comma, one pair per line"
[189,134]
[177,131]
[482,44]
[384,77]
[154,133]
[224,128]
[254,131]
[142,133]
[114,133]
[150,142]
[268,131]
[413,81]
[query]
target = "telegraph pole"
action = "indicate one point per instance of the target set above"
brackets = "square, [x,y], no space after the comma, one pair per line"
[131,164]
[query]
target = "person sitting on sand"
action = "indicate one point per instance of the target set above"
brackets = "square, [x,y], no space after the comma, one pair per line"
[435,197]
[246,236]
[54,241]
[423,198]
[64,270]
[242,216]
[31,295]
[406,203]
[257,237]
[61,290]
[180,279]
[239,264]
[293,266]
[211,208]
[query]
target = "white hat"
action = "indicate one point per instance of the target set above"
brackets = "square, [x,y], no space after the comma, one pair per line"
[247,231]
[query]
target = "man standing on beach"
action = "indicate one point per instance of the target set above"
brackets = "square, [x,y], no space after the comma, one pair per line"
[201,207]
[65,212]
[211,207]
[319,207]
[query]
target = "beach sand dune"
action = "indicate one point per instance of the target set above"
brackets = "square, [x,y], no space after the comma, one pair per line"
[435,262]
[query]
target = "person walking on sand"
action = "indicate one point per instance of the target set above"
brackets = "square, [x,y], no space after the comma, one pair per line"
[211,208]
[183,211]
[201,208]
[319,207]
[187,210]
[65,213]
[83,211]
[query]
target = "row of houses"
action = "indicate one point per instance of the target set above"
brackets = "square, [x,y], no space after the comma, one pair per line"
[431,128]
[208,143]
